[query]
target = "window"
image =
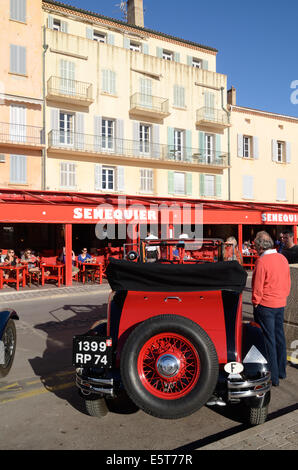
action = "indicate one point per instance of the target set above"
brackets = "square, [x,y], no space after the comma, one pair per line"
[67,81]
[179,96]
[167,55]
[247,186]
[18,169]
[246,146]
[108,134]
[179,183]
[145,138]
[146,92]
[18,127]
[135,46]
[178,144]
[67,175]
[209,148]
[109,82]
[196,63]
[18,10]
[210,185]
[146,180]
[108,178]
[66,128]
[56,25]
[280,151]
[99,37]
[18,59]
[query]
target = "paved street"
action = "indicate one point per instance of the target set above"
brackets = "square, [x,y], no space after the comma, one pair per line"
[41,409]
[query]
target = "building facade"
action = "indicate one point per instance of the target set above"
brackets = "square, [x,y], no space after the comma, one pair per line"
[21,97]
[131,111]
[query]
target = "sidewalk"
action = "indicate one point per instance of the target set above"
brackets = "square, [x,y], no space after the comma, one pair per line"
[50,290]
[277,434]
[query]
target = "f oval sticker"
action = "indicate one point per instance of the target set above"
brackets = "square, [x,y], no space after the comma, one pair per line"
[234,367]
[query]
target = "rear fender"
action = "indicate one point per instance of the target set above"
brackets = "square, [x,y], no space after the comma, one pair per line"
[5,315]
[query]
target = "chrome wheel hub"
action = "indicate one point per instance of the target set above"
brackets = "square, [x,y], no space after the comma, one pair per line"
[168,365]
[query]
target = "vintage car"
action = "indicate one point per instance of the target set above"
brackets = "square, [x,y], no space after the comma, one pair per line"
[8,339]
[174,341]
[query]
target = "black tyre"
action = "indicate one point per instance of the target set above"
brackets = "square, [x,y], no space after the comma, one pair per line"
[169,366]
[256,416]
[9,339]
[96,406]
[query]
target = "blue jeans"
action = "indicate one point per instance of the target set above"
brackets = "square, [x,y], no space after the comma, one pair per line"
[271,321]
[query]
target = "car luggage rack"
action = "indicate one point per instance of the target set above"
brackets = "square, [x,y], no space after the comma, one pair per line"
[249,388]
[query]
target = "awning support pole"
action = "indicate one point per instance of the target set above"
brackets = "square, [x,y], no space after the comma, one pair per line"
[68,254]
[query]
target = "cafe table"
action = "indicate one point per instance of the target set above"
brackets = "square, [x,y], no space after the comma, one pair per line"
[13,275]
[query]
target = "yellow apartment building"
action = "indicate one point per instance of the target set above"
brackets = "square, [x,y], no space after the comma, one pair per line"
[263,155]
[130,110]
[21,97]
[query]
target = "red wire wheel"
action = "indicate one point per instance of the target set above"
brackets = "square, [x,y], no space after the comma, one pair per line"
[168,366]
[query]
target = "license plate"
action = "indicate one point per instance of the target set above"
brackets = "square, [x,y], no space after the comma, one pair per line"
[92,351]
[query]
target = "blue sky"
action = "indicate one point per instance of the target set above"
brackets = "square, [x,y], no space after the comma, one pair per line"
[257,42]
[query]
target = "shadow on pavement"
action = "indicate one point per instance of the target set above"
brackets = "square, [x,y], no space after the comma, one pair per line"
[54,368]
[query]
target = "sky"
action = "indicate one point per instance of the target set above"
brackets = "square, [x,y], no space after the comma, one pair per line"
[257,42]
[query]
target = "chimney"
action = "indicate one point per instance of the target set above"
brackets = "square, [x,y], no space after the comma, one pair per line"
[135,12]
[232,96]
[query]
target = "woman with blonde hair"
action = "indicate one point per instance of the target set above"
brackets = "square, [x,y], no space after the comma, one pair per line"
[231,250]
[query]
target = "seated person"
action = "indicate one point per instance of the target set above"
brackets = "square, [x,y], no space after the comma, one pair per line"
[231,251]
[11,260]
[84,257]
[31,261]
[2,256]
[74,268]
[245,249]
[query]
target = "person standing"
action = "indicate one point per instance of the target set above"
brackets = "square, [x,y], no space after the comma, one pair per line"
[289,250]
[271,285]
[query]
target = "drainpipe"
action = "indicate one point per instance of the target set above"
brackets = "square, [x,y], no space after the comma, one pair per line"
[44,151]
[229,148]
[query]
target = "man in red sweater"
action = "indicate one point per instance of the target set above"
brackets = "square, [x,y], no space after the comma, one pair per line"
[271,284]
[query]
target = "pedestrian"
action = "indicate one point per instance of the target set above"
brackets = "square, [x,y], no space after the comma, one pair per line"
[152,251]
[231,251]
[290,250]
[279,243]
[271,285]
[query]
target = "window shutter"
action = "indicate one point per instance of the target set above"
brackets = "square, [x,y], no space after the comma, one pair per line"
[188,184]
[240,145]
[126,42]
[202,184]
[97,133]
[217,146]
[136,137]
[18,169]
[18,59]
[120,136]
[189,60]
[155,139]
[55,126]
[105,81]
[176,57]
[112,85]
[50,21]
[64,27]
[188,144]
[288,152]
[274,150]
[171,143]
[255,148]
[202,149]
[89,33]
[79,122]
[218,179]
[171,182]
[18,10]
[146,92]
[98,176]
[205,64]
[110,39]
[120,178]
[247,182]
[159,52]
[281,189]
[145,48]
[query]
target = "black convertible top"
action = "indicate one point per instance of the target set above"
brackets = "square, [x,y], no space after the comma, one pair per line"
[128,275]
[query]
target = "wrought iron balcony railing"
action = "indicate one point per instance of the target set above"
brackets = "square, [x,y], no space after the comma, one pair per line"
[74,90]
[216,117]
[21,134]
[87,143]
[140,102]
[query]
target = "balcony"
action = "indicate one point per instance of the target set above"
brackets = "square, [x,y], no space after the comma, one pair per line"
[70,91]
[21,136]
[149,106]
[161,155]
[212,118]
